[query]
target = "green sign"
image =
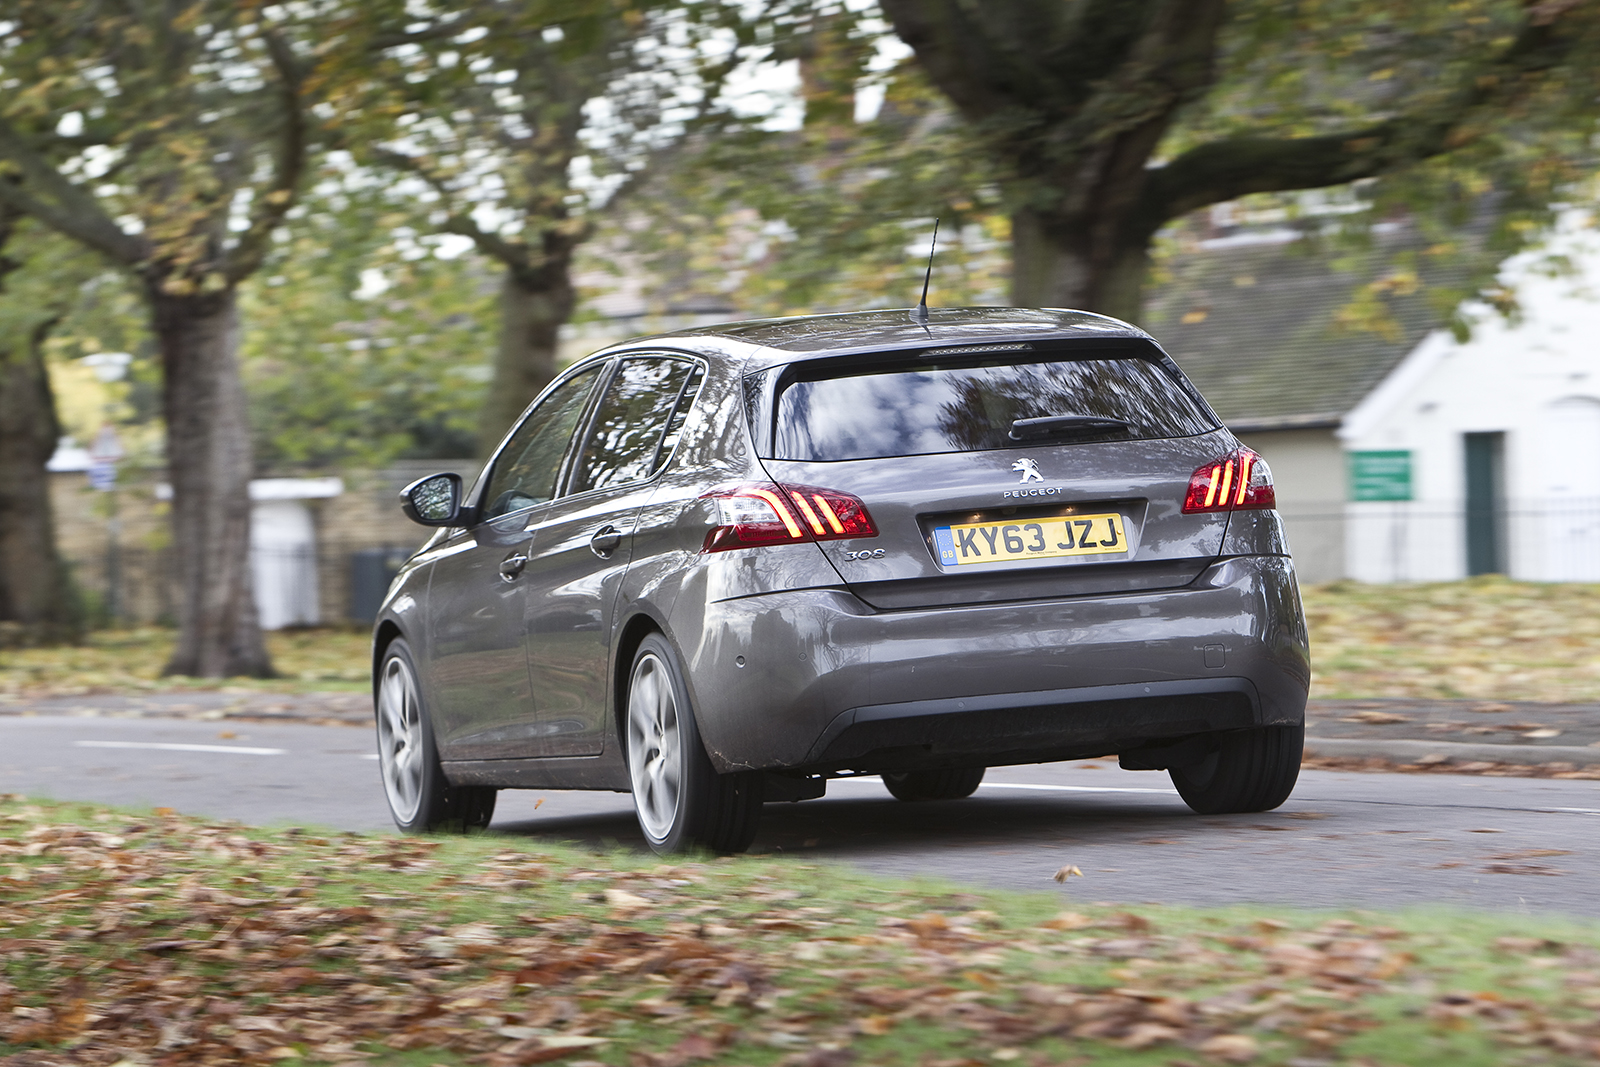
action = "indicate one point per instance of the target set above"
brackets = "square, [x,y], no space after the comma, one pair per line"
[1380,475]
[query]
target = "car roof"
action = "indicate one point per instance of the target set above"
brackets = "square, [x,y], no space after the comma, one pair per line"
[862,331]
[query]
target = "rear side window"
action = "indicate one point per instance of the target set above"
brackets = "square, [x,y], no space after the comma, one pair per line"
[637,423]
[929,409]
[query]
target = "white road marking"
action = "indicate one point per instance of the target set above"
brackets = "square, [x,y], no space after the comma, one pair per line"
[369,755]
[1040,788]
[1577,811]
[172,746]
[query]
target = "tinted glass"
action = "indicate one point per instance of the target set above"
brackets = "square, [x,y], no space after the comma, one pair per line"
[625,443]
[526,472]
[931,408]
[680,415]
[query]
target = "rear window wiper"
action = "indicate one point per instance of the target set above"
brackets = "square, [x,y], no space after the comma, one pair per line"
[1064,425]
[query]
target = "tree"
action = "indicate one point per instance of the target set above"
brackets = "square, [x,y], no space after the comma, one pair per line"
[1108,119]
[360,346]
[836,212]
[186,128]
[489,106]
[38,281]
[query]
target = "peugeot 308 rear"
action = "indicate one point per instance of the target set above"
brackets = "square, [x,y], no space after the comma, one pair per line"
[878,547]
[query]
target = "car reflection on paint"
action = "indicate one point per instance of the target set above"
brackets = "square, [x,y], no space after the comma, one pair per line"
[719,568]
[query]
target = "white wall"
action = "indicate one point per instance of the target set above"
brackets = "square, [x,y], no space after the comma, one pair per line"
[283,562]
[1308,475]
[1538,382]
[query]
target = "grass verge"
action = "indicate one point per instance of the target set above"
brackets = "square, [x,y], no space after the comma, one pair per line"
[130,661]
[159,939]
[1485,638]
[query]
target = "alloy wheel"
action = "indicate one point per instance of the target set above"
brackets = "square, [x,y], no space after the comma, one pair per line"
[654,747]
[400,753]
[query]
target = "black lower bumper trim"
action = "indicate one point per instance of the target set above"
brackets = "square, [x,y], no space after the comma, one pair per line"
[1035,727]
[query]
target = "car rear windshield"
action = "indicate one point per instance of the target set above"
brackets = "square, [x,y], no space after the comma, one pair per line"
[933,408]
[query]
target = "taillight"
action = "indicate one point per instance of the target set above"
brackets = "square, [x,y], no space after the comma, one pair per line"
[771,514]
[1237,481]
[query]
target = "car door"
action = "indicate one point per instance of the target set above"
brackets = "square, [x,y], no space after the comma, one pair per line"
[481,691]
[582,543]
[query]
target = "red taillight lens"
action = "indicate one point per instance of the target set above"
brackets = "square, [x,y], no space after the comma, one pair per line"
[770,514]
[1236,482]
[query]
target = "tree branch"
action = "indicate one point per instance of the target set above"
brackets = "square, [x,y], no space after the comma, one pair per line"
[1020,62]
[512,255]
[73,212]
[1236,166]
[268,210]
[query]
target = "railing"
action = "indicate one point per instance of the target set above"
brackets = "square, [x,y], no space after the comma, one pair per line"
[330,584]
[1548,540]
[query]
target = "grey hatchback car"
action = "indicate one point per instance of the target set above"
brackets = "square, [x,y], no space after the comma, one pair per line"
[719,567]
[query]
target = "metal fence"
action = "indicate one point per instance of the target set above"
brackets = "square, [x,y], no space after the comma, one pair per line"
[329,584]
[1544,540]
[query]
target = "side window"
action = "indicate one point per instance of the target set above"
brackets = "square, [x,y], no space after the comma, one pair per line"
[526,472]
[639,411]
[680,415]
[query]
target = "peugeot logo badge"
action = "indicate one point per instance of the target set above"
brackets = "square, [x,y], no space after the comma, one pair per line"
[1029,470]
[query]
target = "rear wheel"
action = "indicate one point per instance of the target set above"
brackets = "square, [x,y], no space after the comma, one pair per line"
[935,785]
[681,800]
[420,798]
[1251,770]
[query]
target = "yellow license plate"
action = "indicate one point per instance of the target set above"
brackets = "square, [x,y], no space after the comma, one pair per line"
[995,542]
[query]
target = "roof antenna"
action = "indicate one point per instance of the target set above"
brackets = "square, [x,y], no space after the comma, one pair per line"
[919,314]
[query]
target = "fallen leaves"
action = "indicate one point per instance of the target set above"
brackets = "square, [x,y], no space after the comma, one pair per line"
[173,941]
[1450,765]
[1523,868]
[1483,638]
[1376,717]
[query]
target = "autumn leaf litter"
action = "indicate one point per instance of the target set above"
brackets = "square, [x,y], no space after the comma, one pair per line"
[167,940]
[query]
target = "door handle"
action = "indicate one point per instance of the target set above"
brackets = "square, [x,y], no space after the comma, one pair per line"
[511,566]
[605,541]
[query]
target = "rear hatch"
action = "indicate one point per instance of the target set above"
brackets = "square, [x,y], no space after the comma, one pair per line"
[1001,475]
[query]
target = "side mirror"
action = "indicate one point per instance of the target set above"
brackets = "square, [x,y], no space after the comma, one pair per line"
[434,500]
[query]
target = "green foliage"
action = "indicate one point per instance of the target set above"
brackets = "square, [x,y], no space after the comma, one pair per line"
[828,216]
[361,346]
[838,213]
[1302,68]
[171,139]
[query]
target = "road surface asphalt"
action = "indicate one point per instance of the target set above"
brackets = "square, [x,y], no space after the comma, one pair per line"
[1343,839]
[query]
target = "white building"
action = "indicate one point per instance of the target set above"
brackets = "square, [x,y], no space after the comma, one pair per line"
[1503,435]
[1411,457]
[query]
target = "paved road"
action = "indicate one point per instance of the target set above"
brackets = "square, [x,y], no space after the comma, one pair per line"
[1342,839]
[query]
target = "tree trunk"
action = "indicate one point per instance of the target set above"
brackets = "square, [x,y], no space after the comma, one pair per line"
[209,462]
[36,594]
[1088,265]
[534,305]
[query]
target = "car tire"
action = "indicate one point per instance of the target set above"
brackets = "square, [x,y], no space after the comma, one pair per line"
[682,802]
[421,799]
[1250,770]
[935,785]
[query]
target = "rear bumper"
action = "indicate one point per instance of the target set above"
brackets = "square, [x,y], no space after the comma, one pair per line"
[828,683]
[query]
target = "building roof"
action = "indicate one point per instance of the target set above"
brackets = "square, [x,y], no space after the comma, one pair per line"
[1255,325]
